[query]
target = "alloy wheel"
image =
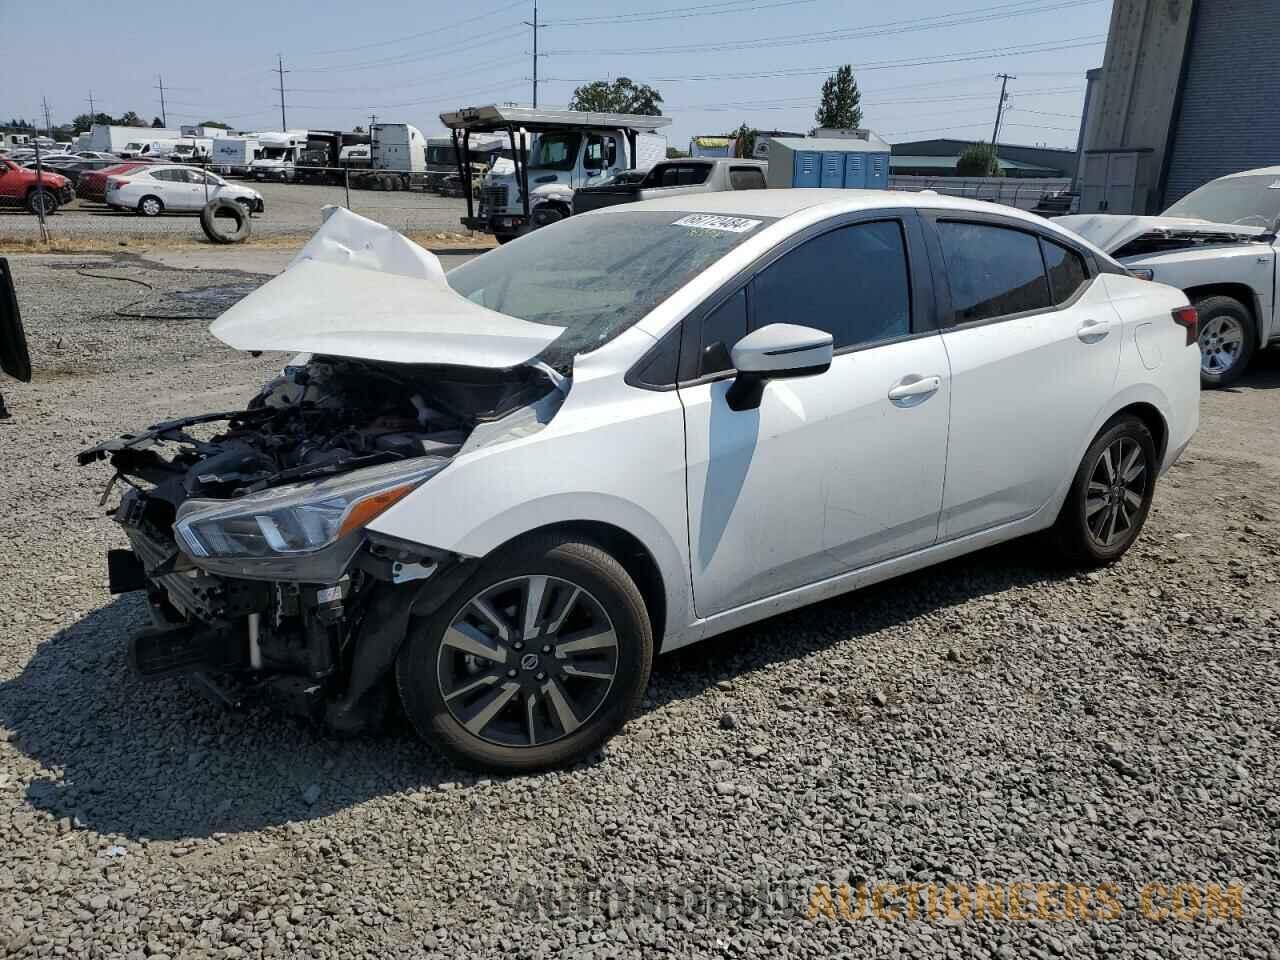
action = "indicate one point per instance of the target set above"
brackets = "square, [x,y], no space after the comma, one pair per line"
[1117,489]
[1221,341]
[527,661]
[151,207]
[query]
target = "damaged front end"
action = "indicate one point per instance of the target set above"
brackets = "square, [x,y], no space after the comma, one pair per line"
[248,528]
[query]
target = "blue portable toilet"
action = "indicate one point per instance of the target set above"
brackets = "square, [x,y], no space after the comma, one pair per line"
[832,169]
[850,159]
[855,170]
[805,169]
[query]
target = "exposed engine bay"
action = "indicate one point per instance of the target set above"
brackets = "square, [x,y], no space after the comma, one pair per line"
[247,527]
[1169,241]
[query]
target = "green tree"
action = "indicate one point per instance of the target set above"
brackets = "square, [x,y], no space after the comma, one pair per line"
[157,123]
[618,96]
[841,101]
[978,160]
[675,153]
[131,119]
[215,123]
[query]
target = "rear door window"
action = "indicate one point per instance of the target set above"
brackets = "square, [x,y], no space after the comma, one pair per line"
[1067,272]
[746,178]
[992,271]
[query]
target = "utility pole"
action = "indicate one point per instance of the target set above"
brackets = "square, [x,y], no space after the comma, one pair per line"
[164,117]
[373,118]
[535,24]
[284,124]
[1004,79]
[91,114]
[48,126]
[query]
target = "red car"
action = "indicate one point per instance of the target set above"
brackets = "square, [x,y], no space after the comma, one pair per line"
[27,188]
[92,184]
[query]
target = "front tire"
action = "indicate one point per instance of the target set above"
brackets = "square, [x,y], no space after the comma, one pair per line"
[1227,341]
[1110,495]
[41,201]
[537,660]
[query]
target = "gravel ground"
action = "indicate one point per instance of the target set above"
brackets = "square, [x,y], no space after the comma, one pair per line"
[995,720]
[292,209]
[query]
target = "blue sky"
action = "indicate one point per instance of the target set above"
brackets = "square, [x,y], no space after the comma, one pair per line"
[926,69]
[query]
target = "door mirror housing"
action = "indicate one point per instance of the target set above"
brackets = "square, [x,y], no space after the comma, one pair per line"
[775,352]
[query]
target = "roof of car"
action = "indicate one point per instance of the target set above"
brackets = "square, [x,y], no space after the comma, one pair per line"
[749,161]
[1259,172]
[784,202]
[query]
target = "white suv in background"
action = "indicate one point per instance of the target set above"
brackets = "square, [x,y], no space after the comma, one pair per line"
[510,487]
[174,188]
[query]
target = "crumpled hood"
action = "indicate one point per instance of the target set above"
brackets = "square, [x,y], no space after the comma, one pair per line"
[1110,232]
[359,289]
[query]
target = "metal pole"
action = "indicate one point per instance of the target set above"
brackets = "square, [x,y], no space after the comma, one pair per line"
[1004,79]
[346,183]
[535,56]
[284,124]
[44,227]
[164,117]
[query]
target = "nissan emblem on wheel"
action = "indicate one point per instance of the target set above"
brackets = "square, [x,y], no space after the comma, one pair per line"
[491,498]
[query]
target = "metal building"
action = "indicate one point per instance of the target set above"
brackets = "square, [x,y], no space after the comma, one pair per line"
[1188,92]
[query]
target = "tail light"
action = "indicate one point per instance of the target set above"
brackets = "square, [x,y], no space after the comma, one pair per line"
[1188,319]
[114,184]
[1142,274]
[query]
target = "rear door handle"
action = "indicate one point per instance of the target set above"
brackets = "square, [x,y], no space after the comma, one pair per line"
[913,390]
[1091,331]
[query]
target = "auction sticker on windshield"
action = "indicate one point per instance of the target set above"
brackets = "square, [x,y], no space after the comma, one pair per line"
[711,221]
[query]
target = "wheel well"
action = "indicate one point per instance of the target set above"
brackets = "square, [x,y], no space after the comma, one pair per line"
[1153,421]
[628,551]
[1236,291]
[558,205]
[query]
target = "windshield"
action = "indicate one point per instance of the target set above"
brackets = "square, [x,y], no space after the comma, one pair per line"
[442,155]
[597,275]
[277,153]
[1252,201]
[556,151]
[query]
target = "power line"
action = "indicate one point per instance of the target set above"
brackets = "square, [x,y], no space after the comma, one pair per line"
[893,28]
[680,13]
[414,36]
[435,53]
[1090,40]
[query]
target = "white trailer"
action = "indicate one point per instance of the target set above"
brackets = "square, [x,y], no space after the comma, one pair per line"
[397,158]
[233,155]
[279,155]
[111,138]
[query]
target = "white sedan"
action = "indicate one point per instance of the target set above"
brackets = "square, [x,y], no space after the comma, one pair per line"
[153,190]
[510,487]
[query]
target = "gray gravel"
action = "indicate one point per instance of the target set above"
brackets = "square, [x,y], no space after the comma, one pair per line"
[291,209]
[993,720]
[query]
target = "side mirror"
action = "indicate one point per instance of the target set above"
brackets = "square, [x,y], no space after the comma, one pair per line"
[775,352]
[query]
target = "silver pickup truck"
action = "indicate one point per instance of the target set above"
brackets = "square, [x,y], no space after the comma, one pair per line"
[672,177]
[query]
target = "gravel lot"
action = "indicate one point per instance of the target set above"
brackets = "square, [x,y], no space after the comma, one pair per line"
[994,720]
[291,209]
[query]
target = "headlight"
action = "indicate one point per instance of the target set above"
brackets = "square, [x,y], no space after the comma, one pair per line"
[300,518]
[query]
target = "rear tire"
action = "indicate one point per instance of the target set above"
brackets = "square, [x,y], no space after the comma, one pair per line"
[1227,340]
[150,206]
[1110,495]
[536,704]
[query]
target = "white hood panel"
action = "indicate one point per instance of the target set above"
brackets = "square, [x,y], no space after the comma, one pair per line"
[1110,232]
[359,289]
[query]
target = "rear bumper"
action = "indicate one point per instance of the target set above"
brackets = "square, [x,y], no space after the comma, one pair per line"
[502,225]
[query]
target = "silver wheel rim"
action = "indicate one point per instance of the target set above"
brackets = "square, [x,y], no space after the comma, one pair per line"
[527,661]
[150,207]
[1221,340]
[43,202]
[1117,490]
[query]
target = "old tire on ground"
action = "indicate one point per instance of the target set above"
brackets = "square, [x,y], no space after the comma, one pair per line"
[43,201]
[214,217]
[1110,495]
[534,662]
[1227,340]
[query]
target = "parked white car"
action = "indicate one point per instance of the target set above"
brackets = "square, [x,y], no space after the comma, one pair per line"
[174,188]
[510,487]
[1218,244]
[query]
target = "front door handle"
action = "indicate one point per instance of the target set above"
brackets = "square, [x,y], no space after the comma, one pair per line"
[913,390]
[1091,331]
